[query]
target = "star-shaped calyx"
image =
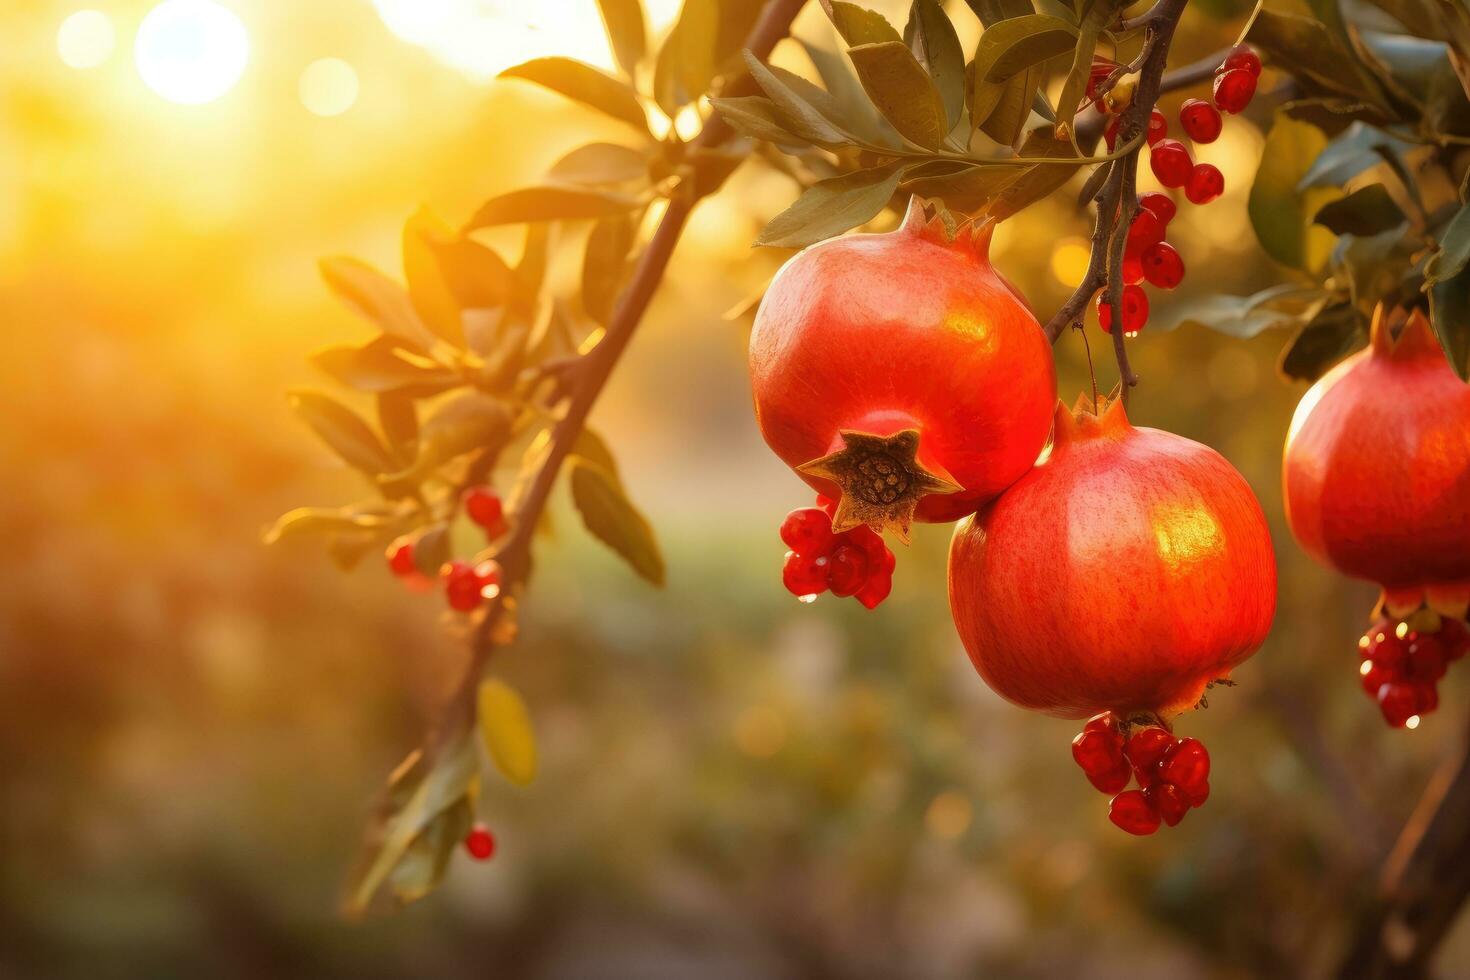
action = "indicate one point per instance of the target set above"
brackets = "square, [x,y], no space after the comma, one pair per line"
[881,480]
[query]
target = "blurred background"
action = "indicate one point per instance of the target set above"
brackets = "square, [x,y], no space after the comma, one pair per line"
[192,725]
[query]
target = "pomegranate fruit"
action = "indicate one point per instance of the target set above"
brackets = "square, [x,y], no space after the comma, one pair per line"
[1376,480]
[901,374]
[1126,573]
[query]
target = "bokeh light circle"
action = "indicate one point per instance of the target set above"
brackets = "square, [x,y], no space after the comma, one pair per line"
[191,51]
[85,39]
[328,87]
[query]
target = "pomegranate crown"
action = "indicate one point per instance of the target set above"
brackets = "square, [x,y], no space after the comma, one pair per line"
[1090,417]
[1402,335]
[932,221]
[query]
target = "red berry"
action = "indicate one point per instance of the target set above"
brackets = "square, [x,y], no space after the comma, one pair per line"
[1101,722]
[1456,639]
[485,508]
[1234,90]
[1098,751]
[1169,160]
[1162,205]
[1197,799]
[1242,57]
[1162,266]
[1111,780]
[1158,127]
[1145,750]
[1101,69]
[1201,121]
[1375,677]
[803,576]
[1145,230]
[1135,311]
[461,586]
[1384,647]
[1205,184]
[875,590]
[1425,658]
[1187,766]
[1398,702]
[480,842]
[808,531]
[847,570]
[1426,698]
[400,558]
[1131,812]
[1168,801]
[1132,268]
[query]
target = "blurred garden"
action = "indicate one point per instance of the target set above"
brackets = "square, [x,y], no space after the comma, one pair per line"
[731,783]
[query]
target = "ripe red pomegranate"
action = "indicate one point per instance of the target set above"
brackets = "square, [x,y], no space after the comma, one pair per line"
[1377,485]
[1125,574]
[901,373]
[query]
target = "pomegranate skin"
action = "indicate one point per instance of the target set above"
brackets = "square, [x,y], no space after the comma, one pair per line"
[910,330]
[1376,474]
[1127,571]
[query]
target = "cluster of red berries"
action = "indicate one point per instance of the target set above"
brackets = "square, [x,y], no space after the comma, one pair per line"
[854,563]
[1404,660]
[1147,256]
[480,842]
[1173,773]
[466,584]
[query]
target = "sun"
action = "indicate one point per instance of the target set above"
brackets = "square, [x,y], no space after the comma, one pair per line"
[191,51]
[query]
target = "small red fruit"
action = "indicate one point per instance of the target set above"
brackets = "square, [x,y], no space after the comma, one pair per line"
[1158,127]
[1168,801]
[1131,811]
[876,589]
[1201,121]
[1426,658]
[1398,702]
[808,531]
[805,577]
[485,508]
[1145,750]
[848,570]
[1205,184]
[1162,205]
[1187,766]
[1135,311]
[1162,266]
[966,416]
[461,586]
[480,842]
[1455,637]
[1234,90]
[1132,268]
[1145,230]
[1098,751]
[1243,57]
[1169,160]
[400,558]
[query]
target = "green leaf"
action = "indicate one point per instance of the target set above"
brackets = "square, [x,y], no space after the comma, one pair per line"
[1419,16]
[307,521]
[991,11]
[584,84]
[428,288]
[1308,50]
[1014,45]
[625,32]
[963,187]
[341,429]
[418,792]
[382,365]
[551,203]
[1002,108]
[795,114]
[398,417]
[830,207]
[1328,336]
[1454,247]
[1278,213]
[1041,179]
[902,91]
[593,448]
[846,91]
[605,266]
[424,862]
[1074,88]
[505,730]
[755,117]
[376,297]
[1366,211]
[686,62]
[859,25]
[1449,312]
[1242,316]
[601,163]
[464,423]
[1351,152]
[931,37]
[613,519]
[477,276]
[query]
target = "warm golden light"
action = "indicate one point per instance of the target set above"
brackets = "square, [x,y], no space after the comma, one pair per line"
[1185,535]
[328,87]
[85,39]
[760,731]
[191,51]
[949,815]
[1069,261]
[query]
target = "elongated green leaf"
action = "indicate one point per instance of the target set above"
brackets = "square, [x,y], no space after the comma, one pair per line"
[756,117]
[1278,212]
[845,89]
[551,203]
[341,429]
[1366,211]
[932,38]
[398,418]
[306,521]
[991,11]
[902,91]
[1454,247]
[585,84]
[601,163]
[1014,45]
[605,265]
[625,31]
[1352,151]
[1308,50]
[465,423]
[1242,316]
[1449,312]
[382,365]
[830,207]
[686,62]
[592,447]
[476,275]
[376,297]
[1328,336]
[428,286]
[1037,181]
[960,186]
[613,519]
[859,25]
[425,860]
[796,114]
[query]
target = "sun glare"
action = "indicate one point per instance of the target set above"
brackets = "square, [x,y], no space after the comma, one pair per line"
[85,39]
[191,51]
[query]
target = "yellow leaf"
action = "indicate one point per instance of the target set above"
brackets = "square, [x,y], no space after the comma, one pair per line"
[505,725]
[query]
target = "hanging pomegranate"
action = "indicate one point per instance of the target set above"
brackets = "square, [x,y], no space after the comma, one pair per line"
[901,374]
[1377,485]
[1125,574]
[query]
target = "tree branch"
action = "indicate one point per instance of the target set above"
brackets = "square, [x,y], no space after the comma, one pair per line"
[591,375]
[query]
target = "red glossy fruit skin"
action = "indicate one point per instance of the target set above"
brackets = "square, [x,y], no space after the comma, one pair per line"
[882,333]
[1377,464]
[1125,572]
